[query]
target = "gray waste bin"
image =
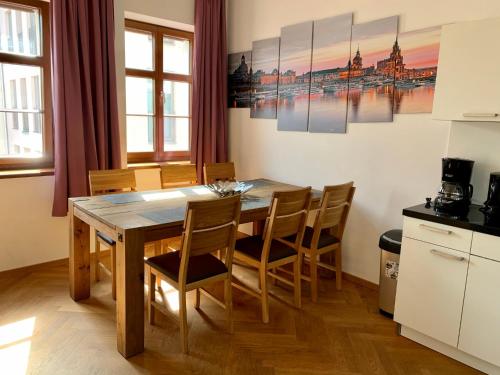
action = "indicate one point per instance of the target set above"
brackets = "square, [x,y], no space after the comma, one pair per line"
[390,246]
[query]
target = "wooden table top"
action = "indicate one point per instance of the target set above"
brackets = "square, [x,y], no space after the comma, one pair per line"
[167,207]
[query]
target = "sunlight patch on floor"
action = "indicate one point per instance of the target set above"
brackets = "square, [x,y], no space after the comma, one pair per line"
[168,296]
[172,296]
[15,346]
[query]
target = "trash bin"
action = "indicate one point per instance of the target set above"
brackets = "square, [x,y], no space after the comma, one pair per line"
[390,246]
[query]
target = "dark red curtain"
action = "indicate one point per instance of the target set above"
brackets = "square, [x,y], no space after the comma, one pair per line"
[86,129]
[209,136]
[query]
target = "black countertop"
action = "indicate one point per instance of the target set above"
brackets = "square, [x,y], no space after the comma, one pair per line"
[475,219]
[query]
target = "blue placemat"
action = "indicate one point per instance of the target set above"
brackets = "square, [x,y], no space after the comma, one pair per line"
[165,216]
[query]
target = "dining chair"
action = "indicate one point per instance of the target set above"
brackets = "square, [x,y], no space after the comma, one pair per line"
[287,216]
[178,175]
[111,181]
[209,225]
[325,236]
[213,172]
[106,182]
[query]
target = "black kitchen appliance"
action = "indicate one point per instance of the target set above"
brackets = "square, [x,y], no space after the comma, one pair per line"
[492,204]
[456,191]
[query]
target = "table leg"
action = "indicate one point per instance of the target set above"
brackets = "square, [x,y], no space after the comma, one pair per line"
[130,293]
[79,257]
[258,227]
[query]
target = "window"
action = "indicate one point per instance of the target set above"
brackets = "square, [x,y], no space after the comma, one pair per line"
[158,92]
[25,101]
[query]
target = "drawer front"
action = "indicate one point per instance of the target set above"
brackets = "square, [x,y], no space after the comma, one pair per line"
[438,234]
[486,246]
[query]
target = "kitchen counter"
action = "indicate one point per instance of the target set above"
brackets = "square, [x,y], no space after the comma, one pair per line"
[475,220]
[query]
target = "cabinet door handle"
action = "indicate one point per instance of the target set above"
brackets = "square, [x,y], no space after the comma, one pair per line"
[448,256]
[434,229]
[480,114]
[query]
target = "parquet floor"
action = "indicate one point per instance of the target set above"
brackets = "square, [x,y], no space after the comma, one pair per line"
[342,334]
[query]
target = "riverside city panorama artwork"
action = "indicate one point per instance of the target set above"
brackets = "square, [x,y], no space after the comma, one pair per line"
[329,74]
[238,80]
[294,78]
[417,70]
[265,60]
[371,78]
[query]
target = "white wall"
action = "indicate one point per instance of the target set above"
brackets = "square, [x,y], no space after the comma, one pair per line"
[393,165]
[28,232]
[178,11]
[479,142]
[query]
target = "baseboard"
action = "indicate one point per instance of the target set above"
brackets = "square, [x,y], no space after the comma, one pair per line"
[34,267]
[358,280]
[450,351]
[40,266]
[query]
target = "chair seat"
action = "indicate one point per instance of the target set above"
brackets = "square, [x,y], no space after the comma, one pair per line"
[325,238]
[106,239]
[252,247]
[199,268]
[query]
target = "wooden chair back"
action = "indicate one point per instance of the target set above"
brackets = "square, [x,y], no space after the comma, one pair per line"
[287,217]
[334,210]
[178,175]
[210,225]
[111,181]
[213,172]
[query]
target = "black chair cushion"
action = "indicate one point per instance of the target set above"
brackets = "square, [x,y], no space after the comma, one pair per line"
[106,239]
[325,238]
[199,268]
[252,247]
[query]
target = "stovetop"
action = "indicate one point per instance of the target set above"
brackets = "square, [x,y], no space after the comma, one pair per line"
[474,220]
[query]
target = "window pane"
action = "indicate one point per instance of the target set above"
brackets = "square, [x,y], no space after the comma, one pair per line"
[140,100]
[138,50]
[175,134]
[20,31]
[14,140]
[20,87]
[140,133]
[176,55]
[21,111]
[176,98]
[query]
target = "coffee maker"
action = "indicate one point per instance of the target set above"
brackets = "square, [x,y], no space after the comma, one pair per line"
[492,204]
[455,194]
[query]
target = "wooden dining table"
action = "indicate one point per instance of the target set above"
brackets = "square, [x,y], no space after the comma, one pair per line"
[132,219]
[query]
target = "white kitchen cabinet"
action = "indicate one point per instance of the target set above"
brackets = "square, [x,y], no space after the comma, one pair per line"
[430,290]
[480,331]
[468,78]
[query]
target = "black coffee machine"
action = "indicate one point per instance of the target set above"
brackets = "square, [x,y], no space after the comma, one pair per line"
[456,191]
[492,204]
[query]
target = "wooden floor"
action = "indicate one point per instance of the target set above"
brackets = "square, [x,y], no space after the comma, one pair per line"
[342,334]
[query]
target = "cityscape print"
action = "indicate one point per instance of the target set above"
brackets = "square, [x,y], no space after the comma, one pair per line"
[330,70]
[264,91]
[371,73]
[417,70]
[239,78]
[344,73]
[294,77]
